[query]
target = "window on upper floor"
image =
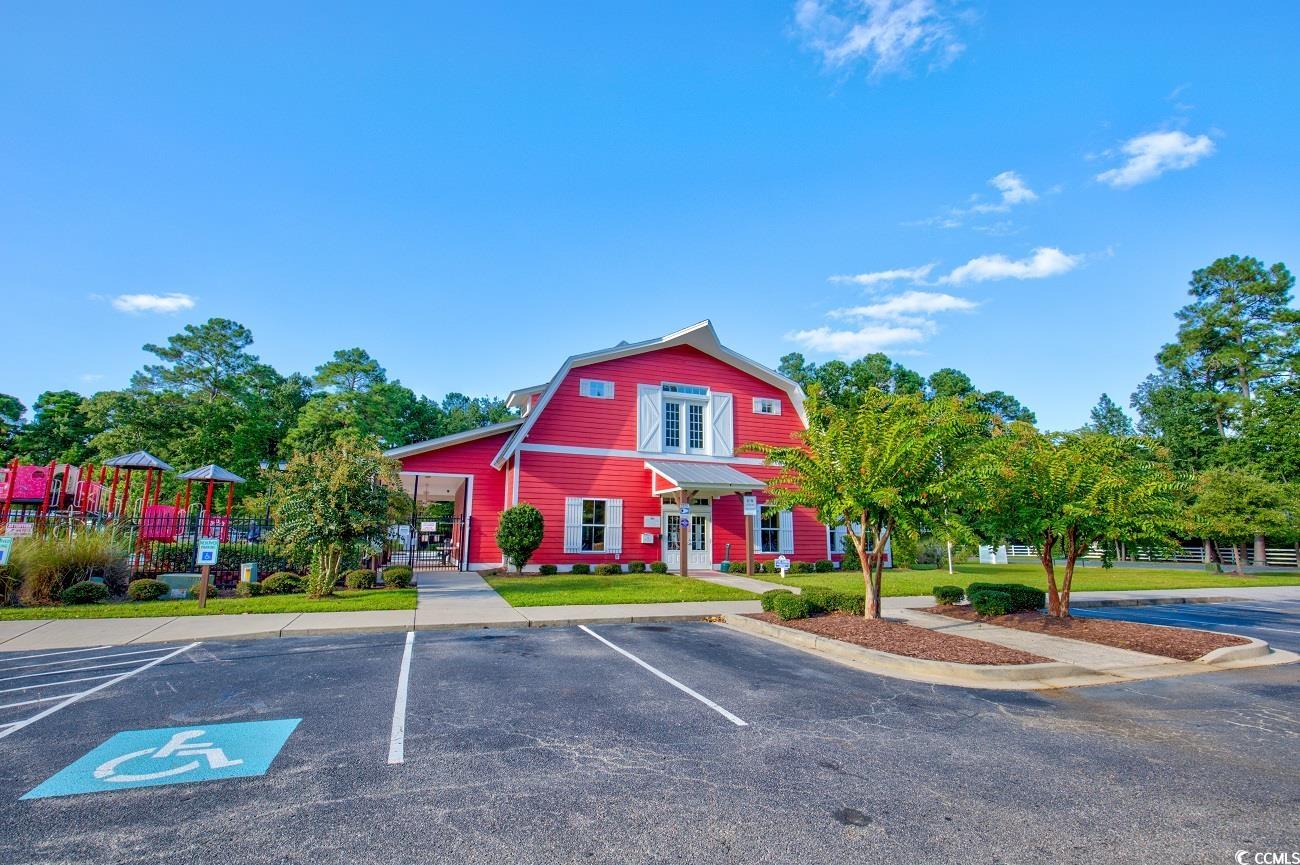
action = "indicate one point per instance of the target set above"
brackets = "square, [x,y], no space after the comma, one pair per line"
[596,388]
[766,405]
[684,419]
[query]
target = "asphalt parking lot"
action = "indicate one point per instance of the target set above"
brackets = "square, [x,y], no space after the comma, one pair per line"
[641,743]
[1275,622]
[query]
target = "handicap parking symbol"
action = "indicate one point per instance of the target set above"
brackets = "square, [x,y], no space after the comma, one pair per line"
[172,755]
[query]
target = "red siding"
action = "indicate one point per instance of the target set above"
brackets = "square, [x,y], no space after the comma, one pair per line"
[570,419]
[472,458]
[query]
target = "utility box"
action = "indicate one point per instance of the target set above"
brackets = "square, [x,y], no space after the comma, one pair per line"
[248,572]
[179,584]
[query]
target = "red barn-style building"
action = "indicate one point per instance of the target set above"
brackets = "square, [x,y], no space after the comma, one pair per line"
[606,448]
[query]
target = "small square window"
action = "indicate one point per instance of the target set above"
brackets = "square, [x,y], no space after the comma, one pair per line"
[595,388]
[766,405]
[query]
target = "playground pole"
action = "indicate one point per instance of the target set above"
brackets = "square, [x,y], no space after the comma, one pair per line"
[9,489]
[112,495]
[49,486]
[144,500]
[230,502]
[126,492]
[188,484]
[63,487]
[207,510]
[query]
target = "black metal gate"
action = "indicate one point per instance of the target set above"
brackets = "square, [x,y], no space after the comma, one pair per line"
[430,544]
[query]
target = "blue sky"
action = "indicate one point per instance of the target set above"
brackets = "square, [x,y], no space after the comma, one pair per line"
[473,191]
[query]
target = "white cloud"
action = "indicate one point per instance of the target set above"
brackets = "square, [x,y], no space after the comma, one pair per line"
[905,274]
[1042,262]
[1012,190]
[1151,155]
[886,35]
[908,307]
[850,344]
[160,303]
[91,377]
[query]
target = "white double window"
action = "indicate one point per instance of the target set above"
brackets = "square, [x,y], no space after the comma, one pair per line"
[773,531]
[766,405]
[685,419]
[596,388]
[593,525]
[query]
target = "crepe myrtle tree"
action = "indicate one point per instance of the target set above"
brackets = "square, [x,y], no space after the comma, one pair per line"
[1234,505]
[519,534]
[1065,492]
[332,502]
[881,469]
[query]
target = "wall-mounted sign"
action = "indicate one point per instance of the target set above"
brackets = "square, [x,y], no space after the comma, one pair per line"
[751,506]
[685,510]
[428,525]
[652,521]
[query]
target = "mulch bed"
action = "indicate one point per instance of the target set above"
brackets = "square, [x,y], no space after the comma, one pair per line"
[1181,643]
[898,638]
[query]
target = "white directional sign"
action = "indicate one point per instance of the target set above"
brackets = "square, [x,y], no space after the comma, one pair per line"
[6,544]
[751,506]
[685,510]
[782,564]
[207,551]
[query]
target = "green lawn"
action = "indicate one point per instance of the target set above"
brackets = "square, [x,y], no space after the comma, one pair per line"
[342,601]
[533,590]
[1092,578]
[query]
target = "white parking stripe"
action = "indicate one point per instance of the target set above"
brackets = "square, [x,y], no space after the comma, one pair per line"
[52,654]
[669,679]
[72,670]
[15,727]
[38,700]
[1165,617]
[59,682]
[79,660]
[397,738]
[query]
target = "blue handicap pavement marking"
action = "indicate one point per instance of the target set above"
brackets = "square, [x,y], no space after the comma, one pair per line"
[172,755]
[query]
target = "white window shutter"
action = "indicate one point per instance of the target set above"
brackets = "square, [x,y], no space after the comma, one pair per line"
[758,530]
[649,406]
[572,525]
[787,532]
[724,444]
[614,526]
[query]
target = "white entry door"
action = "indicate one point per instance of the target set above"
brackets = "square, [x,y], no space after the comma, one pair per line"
[699,553]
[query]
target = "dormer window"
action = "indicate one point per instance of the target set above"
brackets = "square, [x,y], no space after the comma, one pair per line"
[766,405]
[595,388]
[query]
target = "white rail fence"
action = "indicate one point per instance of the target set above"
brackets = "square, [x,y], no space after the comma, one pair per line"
[1189,553]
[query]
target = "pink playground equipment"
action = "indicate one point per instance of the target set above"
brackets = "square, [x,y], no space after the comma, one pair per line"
[211,475]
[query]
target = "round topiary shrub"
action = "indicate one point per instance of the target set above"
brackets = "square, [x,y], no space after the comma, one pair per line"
[580,568]
[823,566]
[194,590]
[801,567]
[609,569]
[398,577]
[282,583]
[147,590]
[659,567]
[768,599]
[547,570]
[361,578]
[948,594]
[636,567]
[790,607]
[989,602]
[248,590]
[84,592]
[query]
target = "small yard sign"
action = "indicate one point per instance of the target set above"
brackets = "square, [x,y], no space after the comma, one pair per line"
[782,564]
[207,552]
[6,544]
[19,530]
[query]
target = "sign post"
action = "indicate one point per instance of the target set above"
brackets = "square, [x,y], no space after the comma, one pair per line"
[749,505]
[205,558]
[783,564]
[683,529]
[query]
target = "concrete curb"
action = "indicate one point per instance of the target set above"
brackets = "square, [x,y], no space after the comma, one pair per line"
[1146,602]
[1053,674]
[1231,654]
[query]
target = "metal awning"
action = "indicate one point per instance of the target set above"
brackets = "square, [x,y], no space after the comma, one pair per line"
[702,477]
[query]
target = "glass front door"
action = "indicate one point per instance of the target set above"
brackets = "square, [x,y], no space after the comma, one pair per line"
[699,553]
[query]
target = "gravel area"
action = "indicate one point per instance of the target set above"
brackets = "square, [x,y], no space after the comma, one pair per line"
[1181,643]
[898,638]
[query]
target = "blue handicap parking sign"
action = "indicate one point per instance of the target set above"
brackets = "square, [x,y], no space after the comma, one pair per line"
[172,755]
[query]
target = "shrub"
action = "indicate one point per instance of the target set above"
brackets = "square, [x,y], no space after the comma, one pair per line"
[398,577]
[519,534]
[248,590]
[147,590]
[580,568]
[194,590]
[854,605]
[801,567]
[547,570]
[924,566]
[609,569]
[823,566]
[360,579]
[45,565]
[850,561]
[819,599]
[948,594]
[762,568]
[659,567]
[790,607]
[1022,598]
[768,599]
[636,567]
[990,602]
[282,583]
[84,592]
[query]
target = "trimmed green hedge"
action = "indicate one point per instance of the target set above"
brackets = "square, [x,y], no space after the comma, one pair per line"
[283,583]
[147,590]
[948,594]
[580,568]
[547,570]
[361,578]
[636,567]
[1022,598]
[398,577]
[990,602]
[659,567]
[248,590]
[790,607]
[823,566]
[609,569]
[84,592]
[768,599]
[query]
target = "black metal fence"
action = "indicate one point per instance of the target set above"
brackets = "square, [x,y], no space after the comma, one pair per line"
[429,544]
[163,547]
